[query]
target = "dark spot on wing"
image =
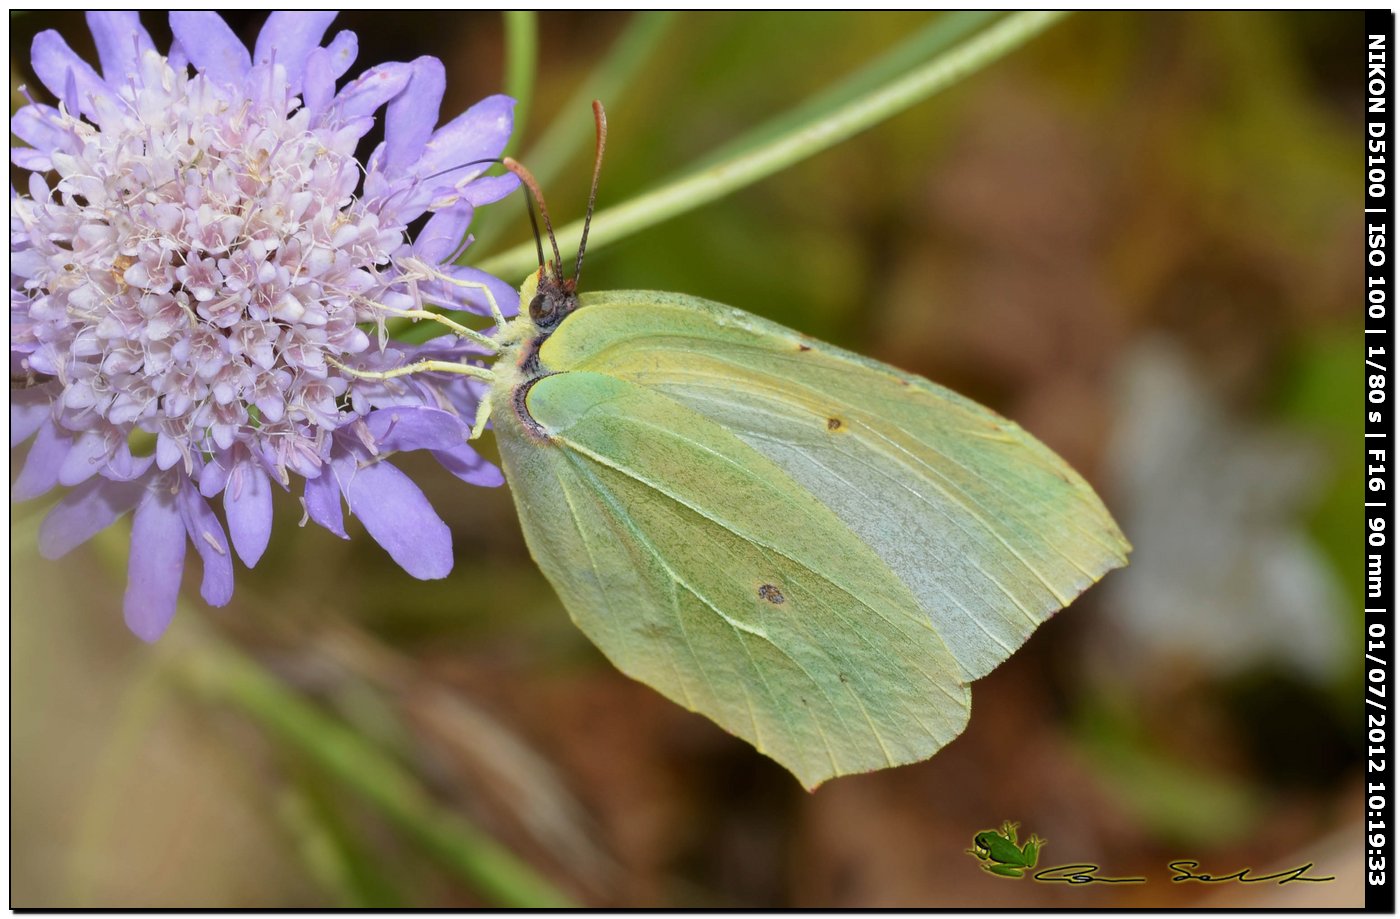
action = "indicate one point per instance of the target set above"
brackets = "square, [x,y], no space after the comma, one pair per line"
[802,347]
[834,424]
[772,594]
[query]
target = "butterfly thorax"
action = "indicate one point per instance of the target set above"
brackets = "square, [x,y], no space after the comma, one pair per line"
[549,300]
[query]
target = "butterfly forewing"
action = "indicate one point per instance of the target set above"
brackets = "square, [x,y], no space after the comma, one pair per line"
[990,530]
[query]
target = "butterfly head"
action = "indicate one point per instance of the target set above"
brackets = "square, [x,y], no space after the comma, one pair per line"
[556,296]
[553,299]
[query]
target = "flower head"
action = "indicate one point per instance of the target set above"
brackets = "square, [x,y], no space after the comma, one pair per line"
[201,276]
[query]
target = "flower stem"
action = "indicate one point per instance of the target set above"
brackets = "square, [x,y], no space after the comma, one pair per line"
[819,132]
[522,52]
[941,32]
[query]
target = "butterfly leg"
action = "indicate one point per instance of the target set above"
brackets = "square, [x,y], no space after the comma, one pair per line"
[457,328]
[467,370]
[496,313]
[483,414]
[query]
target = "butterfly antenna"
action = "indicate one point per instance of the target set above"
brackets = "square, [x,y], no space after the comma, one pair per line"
[443,172]
[535,229]
[534,188]
[601,118]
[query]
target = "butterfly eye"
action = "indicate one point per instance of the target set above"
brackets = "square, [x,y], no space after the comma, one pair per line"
[541,309]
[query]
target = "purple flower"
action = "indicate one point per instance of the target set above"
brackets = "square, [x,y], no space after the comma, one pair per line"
[201,274]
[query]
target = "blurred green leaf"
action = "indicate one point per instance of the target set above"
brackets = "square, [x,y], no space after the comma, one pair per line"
[1179,801]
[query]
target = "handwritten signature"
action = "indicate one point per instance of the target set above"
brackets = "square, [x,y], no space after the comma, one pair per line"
[1184,873]
[1087,873]
[1079,874]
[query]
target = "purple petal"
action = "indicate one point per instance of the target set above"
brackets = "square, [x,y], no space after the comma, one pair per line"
[212,46]
[400,519]
[168,451]
[156,563]
[468,465]
[322,502]
[29,408]
[353,130]
[120,40]
[442,234]
[344,48]
[288,37]
[38,126]
[90,450]
[38,191]
[411,115]
[507,298]
[416,428]
[71,101]
[84,512]
[479,133]
[318,83]
[214,476]
[61,70]
[371,89]
[489,189]
[207,534]
[40,472]
[248,506]
[122,466]
[326,65]
[449,347]
[31,159]
[179,60]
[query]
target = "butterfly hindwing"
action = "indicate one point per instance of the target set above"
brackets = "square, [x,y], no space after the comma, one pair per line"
[701,567]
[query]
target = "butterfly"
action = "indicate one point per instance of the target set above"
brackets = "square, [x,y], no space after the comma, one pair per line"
[817,551]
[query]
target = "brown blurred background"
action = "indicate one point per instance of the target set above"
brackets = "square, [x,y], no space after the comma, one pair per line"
[1139,236]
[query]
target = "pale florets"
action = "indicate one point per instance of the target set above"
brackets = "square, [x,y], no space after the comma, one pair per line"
[201,276]
[198,271]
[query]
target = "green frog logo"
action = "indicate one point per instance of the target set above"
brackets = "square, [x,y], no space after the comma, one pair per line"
[1002,854]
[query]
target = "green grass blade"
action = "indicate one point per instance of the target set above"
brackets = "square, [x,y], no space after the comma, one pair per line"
[335,853]
[813,135]
[522,54]
[572,129]
[220,673]
[941,32]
